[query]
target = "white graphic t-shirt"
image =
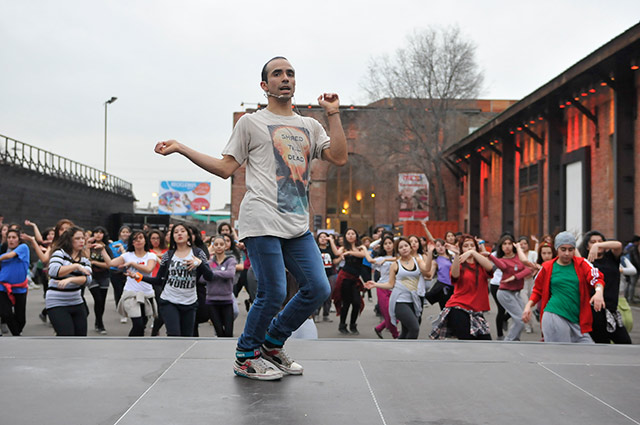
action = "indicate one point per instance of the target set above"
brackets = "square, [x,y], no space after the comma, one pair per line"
[131,284]
[180,287]
[278,151]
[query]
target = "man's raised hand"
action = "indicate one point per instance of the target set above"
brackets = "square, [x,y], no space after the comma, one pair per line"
[167,147]
[329,102]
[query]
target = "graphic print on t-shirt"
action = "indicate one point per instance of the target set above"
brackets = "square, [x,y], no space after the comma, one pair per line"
[291,148]
[179,276]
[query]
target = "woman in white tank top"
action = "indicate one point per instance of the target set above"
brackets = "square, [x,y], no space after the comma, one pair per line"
[405,304]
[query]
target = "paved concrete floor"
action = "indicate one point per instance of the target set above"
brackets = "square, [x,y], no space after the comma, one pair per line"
[366,322]
[125,381]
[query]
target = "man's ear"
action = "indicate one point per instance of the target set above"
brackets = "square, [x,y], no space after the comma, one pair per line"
[263,86]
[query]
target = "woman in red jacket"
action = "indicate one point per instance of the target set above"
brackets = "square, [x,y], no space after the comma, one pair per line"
[563,285]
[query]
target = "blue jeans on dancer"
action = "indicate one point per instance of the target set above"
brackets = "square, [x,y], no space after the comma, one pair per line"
[269,256]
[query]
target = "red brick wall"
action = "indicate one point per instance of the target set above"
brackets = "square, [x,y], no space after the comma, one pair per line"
[491,225]
[636,208]
[602,163]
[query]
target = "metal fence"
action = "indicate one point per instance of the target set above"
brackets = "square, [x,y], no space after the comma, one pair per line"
[16,153]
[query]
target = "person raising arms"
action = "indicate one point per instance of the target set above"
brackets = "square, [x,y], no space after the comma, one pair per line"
[278,146]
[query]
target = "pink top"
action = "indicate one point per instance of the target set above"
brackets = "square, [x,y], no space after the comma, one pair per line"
[511,267]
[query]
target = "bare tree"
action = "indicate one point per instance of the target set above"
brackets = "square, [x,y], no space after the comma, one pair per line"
[422,90]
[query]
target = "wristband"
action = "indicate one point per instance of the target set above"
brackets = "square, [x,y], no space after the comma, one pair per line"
[598,286]
[329,113]
[138,277]
[481,242]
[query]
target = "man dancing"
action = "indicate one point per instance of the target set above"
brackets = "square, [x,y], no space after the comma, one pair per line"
[277,146]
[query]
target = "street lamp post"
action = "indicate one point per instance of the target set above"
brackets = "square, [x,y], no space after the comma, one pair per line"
[113,99]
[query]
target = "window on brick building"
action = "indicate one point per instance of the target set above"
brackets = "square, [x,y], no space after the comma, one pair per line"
[485,197]
[528,200]
[349,195]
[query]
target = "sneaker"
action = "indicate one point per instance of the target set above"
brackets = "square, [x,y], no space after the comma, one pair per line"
[280,358]
[327,319]
[257,368]
[354,330]
[343,329]
[378,333]
[123,319]
[42,317]
[4,328]
[101,331]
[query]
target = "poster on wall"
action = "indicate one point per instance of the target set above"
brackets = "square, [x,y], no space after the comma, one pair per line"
[414,196]
[183,198]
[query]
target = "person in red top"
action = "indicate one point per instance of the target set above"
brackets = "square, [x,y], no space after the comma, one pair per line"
[462,316]
[513,275]
[563,287]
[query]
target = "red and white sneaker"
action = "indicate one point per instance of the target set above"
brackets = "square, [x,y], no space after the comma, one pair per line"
[280,358]
[257,368]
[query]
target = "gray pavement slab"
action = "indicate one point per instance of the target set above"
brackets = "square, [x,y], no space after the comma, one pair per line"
[355,381]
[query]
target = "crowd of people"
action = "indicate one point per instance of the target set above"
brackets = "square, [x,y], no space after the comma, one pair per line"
[574,293]
[176,280]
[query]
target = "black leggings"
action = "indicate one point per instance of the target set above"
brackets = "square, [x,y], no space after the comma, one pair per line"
[350,297]
[410,324]
[13,315]
[69,320]
[600,335]
[158,323]
[440,293]
[118,279]
[221,315]
[138,324]
[460,324]
[99,301]
[502,315]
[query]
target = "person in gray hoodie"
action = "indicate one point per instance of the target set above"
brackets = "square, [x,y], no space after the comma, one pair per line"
[220,298]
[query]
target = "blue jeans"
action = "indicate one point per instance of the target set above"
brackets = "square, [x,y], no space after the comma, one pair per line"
[269,256]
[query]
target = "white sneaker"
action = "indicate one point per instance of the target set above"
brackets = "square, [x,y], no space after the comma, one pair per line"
[257,368]
[123,319]
[280,358]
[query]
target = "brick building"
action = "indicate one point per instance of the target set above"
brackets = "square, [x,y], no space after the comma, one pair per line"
[564,157]
[365,193]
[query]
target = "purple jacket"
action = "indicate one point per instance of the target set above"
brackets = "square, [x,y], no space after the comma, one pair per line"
[220,287]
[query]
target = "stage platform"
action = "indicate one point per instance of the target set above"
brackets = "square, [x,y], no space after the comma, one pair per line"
[190,381]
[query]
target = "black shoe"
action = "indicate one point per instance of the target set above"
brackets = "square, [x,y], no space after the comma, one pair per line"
[354,330]
[343,329]
[327,319]
[42,317]
[378,333]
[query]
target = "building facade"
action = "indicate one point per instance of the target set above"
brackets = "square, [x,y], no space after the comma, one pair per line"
[564,157]
[365,192]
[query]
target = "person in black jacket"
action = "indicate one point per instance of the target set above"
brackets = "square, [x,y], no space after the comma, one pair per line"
[180,269]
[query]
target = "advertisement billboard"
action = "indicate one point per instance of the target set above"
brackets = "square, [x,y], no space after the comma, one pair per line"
[183,198]
[414,196]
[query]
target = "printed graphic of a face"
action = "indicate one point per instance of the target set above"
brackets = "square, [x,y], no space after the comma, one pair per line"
[291,148]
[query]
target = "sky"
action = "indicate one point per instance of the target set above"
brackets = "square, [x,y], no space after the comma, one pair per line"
[181,69]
